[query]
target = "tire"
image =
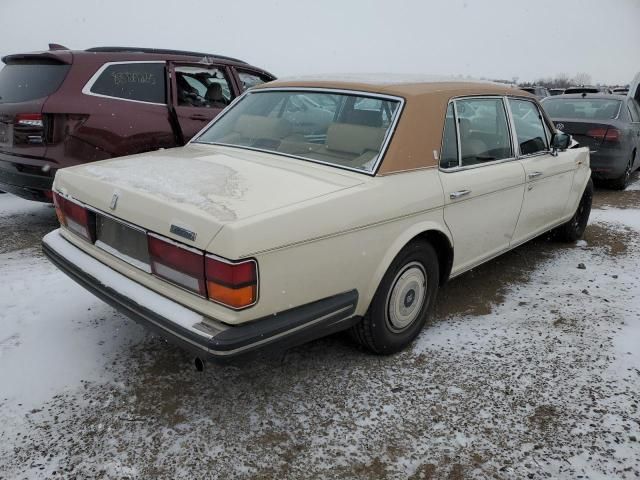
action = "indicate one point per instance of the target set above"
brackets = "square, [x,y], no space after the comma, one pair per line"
[402,302]
[622,181]
[574,228]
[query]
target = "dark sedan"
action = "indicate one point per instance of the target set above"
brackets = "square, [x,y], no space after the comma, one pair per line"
[608,124]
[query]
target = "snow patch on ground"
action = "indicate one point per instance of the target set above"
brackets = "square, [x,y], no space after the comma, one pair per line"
[545,385]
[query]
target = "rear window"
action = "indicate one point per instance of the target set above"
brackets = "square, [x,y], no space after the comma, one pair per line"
[21,82]
[344,130]
[142,82]
[591,109]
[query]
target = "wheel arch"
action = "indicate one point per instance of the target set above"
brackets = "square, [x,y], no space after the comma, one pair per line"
[440,239]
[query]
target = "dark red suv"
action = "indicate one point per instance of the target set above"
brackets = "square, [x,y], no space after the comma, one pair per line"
[61,107]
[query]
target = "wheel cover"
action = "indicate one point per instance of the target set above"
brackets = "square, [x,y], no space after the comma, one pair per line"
[406,297]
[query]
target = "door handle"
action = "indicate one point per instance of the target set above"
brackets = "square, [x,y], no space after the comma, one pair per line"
[199,117]
[458,194]
[534,175]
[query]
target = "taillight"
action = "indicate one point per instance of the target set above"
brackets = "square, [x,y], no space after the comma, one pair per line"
[75,217]
[29,119]
[232,284]
[177,264]
[605,134]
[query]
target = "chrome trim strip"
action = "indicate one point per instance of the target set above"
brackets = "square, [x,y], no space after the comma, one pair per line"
[87,87]
[383,148]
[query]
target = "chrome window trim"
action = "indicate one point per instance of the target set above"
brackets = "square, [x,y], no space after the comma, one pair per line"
[256,90]
[460,167]
[87,87]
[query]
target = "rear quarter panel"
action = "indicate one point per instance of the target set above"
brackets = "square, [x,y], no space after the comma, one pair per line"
[328,246]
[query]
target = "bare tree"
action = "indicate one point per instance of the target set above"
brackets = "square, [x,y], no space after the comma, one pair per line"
[582,79]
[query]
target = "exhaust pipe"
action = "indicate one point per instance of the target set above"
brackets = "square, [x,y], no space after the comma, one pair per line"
[199,364]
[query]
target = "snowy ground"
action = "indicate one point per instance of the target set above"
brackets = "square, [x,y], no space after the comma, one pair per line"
[531,370]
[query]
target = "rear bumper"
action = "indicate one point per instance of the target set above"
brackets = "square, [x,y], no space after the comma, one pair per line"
[608,164]
[205,337]
[27,185]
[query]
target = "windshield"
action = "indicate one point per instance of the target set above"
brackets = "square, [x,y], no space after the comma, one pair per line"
[345,130]
[20,82]
[592,109]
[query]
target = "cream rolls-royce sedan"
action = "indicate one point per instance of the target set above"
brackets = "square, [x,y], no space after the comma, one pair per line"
[310,207]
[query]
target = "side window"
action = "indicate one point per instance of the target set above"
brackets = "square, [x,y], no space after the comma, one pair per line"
[634,111]
[449,151]
[248,80]
[484,132]
[144,82]
[530,131]
[202,87]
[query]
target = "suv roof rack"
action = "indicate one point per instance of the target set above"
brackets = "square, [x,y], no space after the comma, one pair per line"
[161,51]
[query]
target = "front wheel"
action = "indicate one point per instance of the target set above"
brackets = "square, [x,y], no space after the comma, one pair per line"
[574,228]
[402,303]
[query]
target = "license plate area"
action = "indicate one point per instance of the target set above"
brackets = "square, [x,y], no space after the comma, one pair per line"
[123,241]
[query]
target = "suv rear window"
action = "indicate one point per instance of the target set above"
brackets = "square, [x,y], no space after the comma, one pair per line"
[23,81]
[143,82]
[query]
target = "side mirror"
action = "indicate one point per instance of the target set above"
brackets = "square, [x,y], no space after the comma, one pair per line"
[560,141]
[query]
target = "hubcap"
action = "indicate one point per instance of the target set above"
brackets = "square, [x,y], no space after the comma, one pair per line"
[407,296]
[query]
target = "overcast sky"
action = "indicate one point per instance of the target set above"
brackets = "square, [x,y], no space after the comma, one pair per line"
[527,39]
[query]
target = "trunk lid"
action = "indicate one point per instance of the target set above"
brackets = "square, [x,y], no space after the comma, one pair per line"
[199,188]
[580,131]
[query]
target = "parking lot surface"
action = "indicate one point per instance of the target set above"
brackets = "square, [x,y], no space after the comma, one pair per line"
[530,368]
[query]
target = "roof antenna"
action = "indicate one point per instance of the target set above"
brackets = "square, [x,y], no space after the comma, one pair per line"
[57,46]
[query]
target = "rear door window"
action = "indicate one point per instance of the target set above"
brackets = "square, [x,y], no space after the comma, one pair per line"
[28,80]
[530,131]
[483,130]
[139,81]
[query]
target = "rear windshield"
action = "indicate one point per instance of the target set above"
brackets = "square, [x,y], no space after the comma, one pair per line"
[344,130]
[592,109]
[20,82]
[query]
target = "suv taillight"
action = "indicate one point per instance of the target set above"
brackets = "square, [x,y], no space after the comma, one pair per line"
[29,119]
[177,264]
[232,284]
[75,217]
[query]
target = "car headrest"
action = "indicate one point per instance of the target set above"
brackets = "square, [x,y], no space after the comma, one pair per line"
[214,93]
[348,138]
[257,126]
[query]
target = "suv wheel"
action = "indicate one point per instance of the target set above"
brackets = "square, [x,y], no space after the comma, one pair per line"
[402,303]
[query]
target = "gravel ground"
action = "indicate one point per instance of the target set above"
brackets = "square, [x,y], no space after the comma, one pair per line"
[529,369]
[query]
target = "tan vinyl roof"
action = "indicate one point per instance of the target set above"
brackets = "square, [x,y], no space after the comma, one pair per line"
[419,131]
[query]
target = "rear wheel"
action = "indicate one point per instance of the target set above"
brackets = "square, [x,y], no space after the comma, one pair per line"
[402,303]
[622,181]
[574,228]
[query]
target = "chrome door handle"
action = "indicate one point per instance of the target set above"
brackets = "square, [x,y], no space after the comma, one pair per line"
[458,194]
[534,174]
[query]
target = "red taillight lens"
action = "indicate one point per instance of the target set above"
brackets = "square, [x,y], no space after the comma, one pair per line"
[29,119]
[75,217]
[58,202]
[605,134]
[613,135]
[232,284]
[177,264]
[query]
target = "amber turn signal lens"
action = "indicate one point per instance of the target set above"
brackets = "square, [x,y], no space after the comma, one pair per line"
[233,297]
